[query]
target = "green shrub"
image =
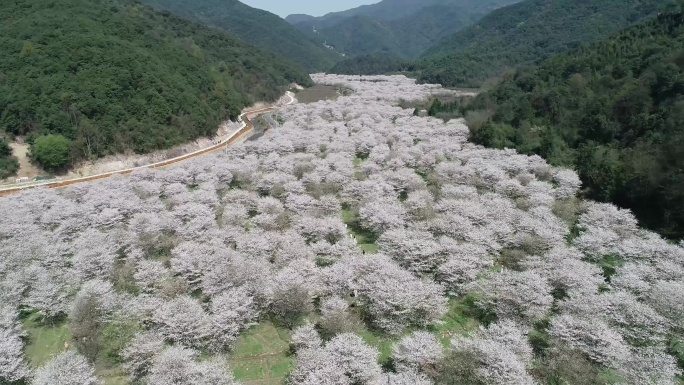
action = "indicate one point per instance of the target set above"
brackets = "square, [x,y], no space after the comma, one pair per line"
[51,152]
[9,165]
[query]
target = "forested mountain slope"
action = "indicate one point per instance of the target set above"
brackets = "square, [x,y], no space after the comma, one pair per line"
[525,33]
[384,10]
[113,76]
[404,28]
[614,110]
[261,28]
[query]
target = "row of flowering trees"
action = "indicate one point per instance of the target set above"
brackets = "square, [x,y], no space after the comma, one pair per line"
[197,253]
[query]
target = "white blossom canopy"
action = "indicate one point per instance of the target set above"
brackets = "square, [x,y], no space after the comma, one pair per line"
[198,252]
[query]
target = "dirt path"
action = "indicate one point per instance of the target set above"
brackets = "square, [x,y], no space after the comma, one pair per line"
[20,149]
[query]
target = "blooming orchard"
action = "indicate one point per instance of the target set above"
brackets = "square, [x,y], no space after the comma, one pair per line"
[195,254]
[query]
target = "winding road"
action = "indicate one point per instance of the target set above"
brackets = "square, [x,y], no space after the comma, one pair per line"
[247,126]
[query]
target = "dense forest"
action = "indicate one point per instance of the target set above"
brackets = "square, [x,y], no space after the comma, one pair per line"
[255,26]
[383,10]
[406,37]
[614,110]
[112,76]
[9,165]
[525,33]
[402,28]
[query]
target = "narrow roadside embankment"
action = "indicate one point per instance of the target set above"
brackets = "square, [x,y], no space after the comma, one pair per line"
[246,127]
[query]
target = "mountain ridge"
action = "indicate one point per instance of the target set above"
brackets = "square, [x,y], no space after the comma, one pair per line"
[524,33]
[404,28]
[258,27]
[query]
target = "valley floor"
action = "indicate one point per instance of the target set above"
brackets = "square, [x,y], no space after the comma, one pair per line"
[355,243]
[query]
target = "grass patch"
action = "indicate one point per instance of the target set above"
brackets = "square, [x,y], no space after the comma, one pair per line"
[261,355]
[357,162]
[455,323]
[44,341]
[380,341]
[316,93]
[609,264]
[114,376]
[369,248]
[365,240]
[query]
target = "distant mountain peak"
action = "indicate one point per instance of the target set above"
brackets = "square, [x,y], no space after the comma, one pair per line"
[258,27]
[403,28]
[298,18]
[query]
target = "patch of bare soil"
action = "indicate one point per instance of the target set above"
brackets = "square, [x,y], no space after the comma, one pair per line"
[316,93]
[20,149]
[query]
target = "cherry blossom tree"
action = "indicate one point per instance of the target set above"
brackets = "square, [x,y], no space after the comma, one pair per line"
[404,378]
[183,320]
[93,306]
[357,359]
[501,354]
[335,316]
[345,359]
[394,298]
[306,337]
[638,323]
[420,205]
[525,296]
[13,368]
[318,229]
[415,250]
[567,273]
[419,352]
[666,298]
[67,368]
[47,293]
[94,254]
[139,354]
[232,270]
[291,304]
[382,214]
[318,366]
[150,275]
[650,366]
[232,311]
[594,338]
[177,365]
[568,182]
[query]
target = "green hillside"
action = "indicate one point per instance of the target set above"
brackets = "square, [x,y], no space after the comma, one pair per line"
[403,28]
[526,33]
[406,37]
[260,28]
[9,164]
[614,110]
[383,10]
[113,76]
[360,35]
